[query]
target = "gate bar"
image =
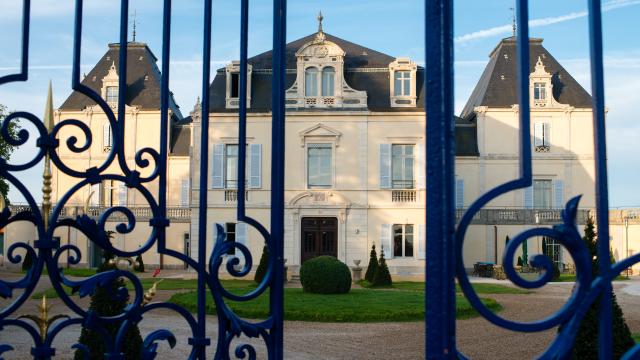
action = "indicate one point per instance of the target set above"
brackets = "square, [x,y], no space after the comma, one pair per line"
[440,300]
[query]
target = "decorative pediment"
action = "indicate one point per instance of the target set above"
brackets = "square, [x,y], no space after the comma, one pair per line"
[318,198]
[320,132]
[541,88]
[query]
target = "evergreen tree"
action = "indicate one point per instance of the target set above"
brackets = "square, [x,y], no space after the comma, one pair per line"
[139,264]
[586,344]
[373,265]
[6,150]
[104,304]
[263,266]
[382,277]
[27,262]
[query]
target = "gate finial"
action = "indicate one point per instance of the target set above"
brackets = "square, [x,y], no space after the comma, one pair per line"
[513,20]
[320,35]
[47,176]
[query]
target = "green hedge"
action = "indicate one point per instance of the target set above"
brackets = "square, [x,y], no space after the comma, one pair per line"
[325,275]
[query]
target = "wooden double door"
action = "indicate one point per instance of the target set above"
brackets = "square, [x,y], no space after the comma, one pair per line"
[319,237]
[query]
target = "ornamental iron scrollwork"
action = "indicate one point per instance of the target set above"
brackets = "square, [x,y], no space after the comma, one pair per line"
[47,252]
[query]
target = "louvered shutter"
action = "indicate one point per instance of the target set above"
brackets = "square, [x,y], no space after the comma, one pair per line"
[386,241]
[559,193]
[459,193]
[422,242]
[241,238]
[122,195]
[385,166]
[538,133]
[546,133]
[255,166]
[528,197]
[421,167]
[95,195]
[106,135]
[184,193]
[217,179]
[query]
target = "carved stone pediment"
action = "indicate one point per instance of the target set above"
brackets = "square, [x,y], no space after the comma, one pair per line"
[320,198]
[320,132]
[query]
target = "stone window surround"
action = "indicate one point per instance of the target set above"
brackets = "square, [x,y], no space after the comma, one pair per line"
[403,64]
[331,137]
[109,81]
[234,68]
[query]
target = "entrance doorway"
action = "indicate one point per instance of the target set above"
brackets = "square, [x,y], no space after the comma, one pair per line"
[319,237]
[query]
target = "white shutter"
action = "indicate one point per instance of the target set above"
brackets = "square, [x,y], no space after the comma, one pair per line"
[459,193]
[385,166]
[546,134]
[538,133]
[559,193]
[528,197]
[255,166]
[184,193]
[241,238]
[421,167]
[95,195]
[386,241]
[107,140]
[217,179]
[422,242]
[122,195]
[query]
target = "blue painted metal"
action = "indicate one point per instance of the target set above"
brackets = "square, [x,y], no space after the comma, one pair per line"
[440,340]
[48,253]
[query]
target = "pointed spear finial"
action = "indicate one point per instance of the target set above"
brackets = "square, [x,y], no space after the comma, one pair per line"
[513,20]
[135,13]
[47,176]
[48,110]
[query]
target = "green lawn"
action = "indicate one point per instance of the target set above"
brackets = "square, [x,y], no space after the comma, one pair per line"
[572,277]
[359,305]
[636,337]
[480,288]
[76,272]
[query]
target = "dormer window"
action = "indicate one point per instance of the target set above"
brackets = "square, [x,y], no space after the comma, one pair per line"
[233,85]
[402,77]
[328,76]
[539,91]
[311,81]
[112,94]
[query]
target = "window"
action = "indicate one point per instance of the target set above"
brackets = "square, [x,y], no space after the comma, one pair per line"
[402,158]
[553,250]
[328,76]
[107,137]
[539,91]
[112,94]
[311,82]
[231,166]
[402,240]
[542,194]
[231,236]
[402,83]
[319,165]
[235,85]
[541,137]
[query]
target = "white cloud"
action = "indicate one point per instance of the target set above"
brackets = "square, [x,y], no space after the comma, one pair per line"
[507,29]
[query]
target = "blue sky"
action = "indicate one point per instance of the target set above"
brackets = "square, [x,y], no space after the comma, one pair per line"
[392,27]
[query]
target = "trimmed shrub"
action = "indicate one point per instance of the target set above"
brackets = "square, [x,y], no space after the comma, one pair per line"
[373,264]
[27,262]
[262,267]
[382,277]
[519,261]
[325,275]
[103,303]
[139,264]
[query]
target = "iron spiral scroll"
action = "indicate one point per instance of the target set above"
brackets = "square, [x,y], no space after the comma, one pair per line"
[48,253]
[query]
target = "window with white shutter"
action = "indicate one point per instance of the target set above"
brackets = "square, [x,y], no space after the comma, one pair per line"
[95,195]
[386,241]
[459,193]
[107,137]
[541,137]
[421,166]
[559,194]
[255,166]
[122,195]
[385,166]
[184,193]
[217,166]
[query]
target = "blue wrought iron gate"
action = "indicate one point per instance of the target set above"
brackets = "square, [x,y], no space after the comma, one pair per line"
[444,238]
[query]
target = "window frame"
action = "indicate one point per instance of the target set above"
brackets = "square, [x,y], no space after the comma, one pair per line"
[404,81]
[404,156]
[550,194]
[111,92]
[331,90]
[325,145]
[404,241]
[537,86]
[307,72]
[227,173]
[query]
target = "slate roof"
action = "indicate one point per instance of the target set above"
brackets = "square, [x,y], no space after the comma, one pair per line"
[495,91]
[141,62]
[364,70]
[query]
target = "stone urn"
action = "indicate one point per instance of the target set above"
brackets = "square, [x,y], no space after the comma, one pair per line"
[356,271]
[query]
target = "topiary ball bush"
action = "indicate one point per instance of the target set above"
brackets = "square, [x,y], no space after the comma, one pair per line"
[325,275]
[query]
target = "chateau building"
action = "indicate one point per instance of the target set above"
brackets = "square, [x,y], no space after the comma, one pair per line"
[355,155]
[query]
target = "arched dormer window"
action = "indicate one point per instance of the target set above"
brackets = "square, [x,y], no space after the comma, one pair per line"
[311,81]
[110,86]
[328,81]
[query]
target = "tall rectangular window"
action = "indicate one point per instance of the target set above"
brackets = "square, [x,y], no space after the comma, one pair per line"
[539,91]
[112,94]
[402,240]
[235,85]
[402,83]
[542,194]
[402,159]
[231,166]
[319,169]
[231,236]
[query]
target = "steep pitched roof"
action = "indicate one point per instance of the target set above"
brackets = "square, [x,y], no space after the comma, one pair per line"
[143,79]
[497,86]
[365,69]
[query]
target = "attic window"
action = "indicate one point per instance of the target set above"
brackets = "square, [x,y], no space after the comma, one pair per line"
[539,91]
[112,94]
[402,76]
[233,85]
[402,83]
[146,78]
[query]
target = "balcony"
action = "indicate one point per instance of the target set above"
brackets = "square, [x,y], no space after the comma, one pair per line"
[231,196]
[404,196]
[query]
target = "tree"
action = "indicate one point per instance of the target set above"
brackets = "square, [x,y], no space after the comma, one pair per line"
[6,149]
[586,344]
[138,266]
[382,277]
[373,265]
[263,266]
[104,304]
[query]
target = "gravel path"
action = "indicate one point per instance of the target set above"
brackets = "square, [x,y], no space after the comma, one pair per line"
[477,338]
